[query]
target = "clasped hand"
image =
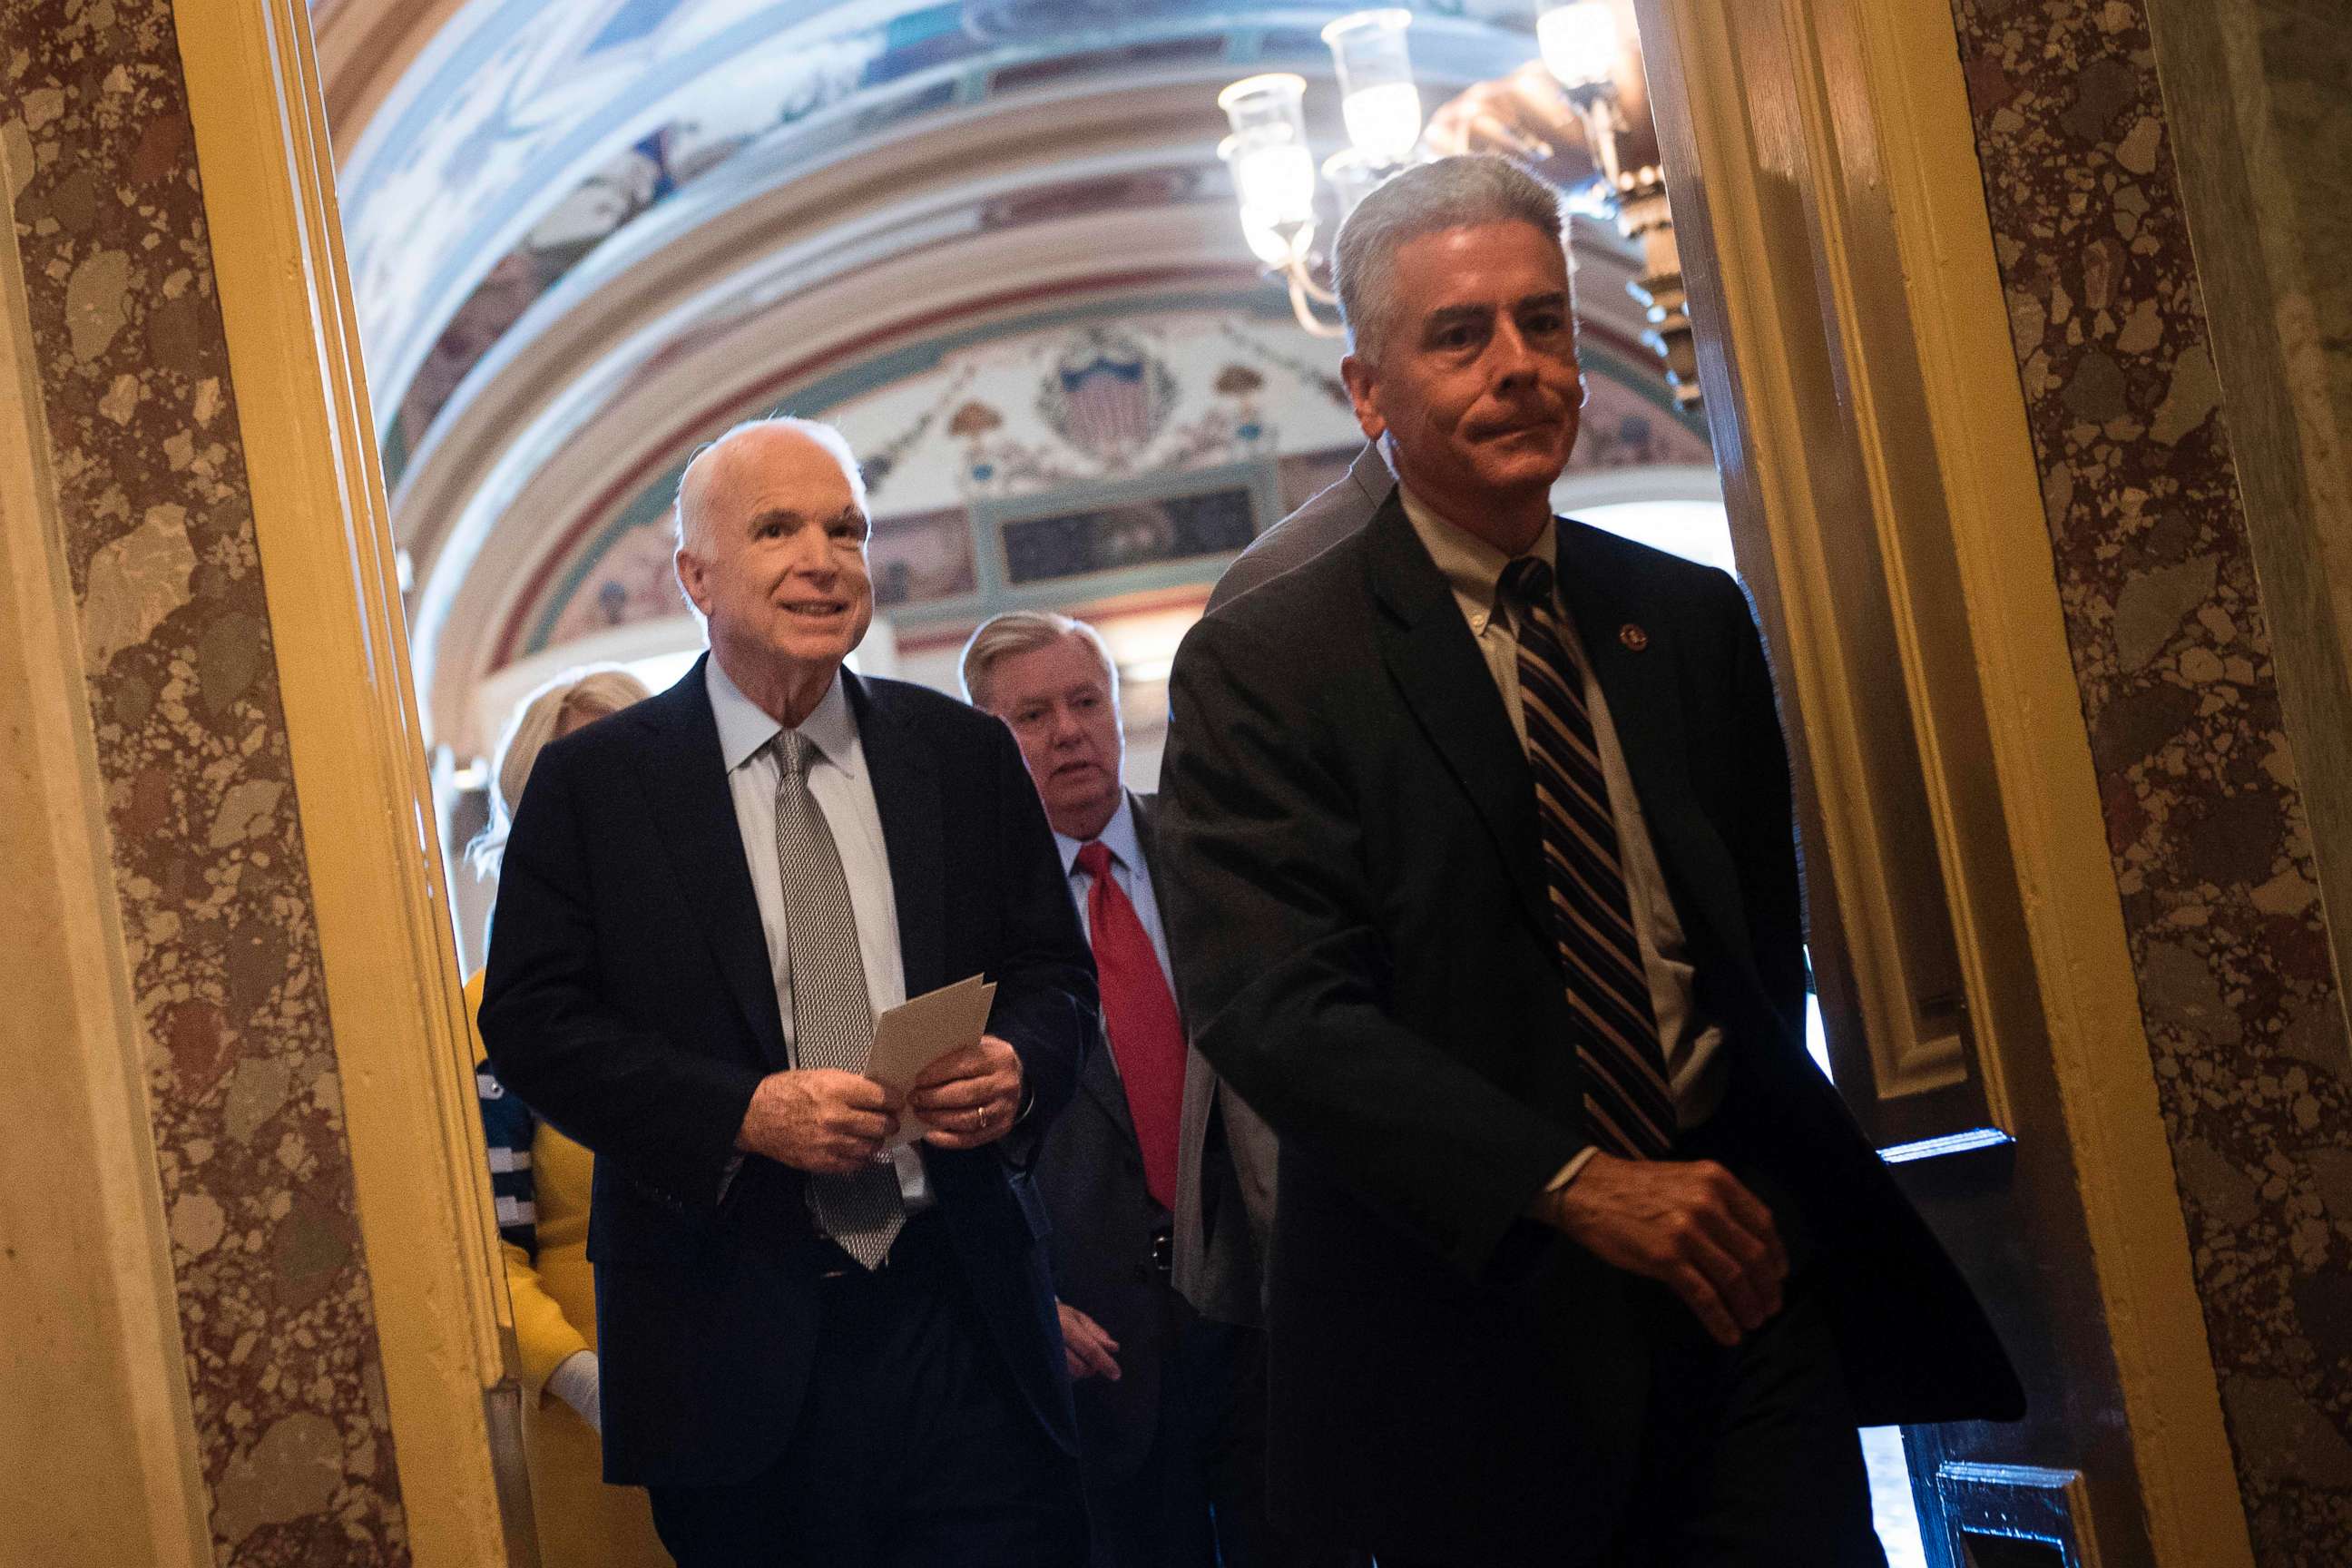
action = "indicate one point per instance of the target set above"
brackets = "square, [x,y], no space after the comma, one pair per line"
[833,1123]
[1689,1224]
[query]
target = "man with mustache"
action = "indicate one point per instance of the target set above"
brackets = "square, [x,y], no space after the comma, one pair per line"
[816,1349]
[1482,890]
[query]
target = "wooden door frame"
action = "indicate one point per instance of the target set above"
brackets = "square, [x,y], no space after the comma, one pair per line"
[402,1038]
[1856,360]
[1831,219]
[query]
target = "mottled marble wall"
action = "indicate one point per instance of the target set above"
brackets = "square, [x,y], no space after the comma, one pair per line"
[2205,820]
[209,865]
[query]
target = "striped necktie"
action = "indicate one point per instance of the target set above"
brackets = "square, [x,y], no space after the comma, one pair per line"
[1630,1109]
[833,1015]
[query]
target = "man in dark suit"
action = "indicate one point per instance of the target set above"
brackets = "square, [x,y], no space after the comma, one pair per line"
[1482,890]
[1144,1168]
[1327,517]
[816,1348]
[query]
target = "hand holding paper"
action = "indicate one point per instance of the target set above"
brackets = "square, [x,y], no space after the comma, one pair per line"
[955,1079]
[972,1097]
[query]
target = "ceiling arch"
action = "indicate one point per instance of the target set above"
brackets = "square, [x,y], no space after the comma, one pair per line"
[586,235]
[510,106]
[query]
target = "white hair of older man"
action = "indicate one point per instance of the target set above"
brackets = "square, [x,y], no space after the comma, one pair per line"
[1466,191]
[1017,632]
[689,513]
[592,692]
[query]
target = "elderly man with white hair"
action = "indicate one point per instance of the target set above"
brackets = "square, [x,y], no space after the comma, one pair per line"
[817,1348]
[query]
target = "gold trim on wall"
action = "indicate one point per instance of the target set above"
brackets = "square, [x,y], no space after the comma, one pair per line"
[1786,439]
[399,1030]
[1858,371]
[2057,836]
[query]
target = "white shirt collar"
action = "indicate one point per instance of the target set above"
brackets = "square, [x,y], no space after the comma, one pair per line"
[1471,567]
[1119,835]
[744,727]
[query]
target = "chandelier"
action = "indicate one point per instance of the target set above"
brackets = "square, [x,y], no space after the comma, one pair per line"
[1275,181]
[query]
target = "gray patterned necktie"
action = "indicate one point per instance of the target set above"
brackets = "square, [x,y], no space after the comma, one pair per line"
[833,1016]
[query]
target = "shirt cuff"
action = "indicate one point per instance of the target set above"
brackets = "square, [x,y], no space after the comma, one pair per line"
[578,1382]
[1573,1169]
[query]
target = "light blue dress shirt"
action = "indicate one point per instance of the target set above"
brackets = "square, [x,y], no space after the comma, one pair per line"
[1127,869]
[1129,873]
[844,787]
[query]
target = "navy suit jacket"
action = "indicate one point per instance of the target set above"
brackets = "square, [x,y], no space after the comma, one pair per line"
[630,1001]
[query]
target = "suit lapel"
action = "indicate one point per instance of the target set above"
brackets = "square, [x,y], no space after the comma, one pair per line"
[1101,1080]
[1100,1076]
[686,791]
[1643,687]
[1437,665]
[1142,809]
[905,778]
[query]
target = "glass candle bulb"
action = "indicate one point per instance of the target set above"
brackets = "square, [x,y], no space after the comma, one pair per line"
[1378,99]
[1274,174]
[1352,176]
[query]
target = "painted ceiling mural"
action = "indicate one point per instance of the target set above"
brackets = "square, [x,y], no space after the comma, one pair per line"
[531,130]
[575,228]
[1083,417]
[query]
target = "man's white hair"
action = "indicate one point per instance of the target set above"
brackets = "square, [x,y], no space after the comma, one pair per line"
[1462,192]
[1026,631]
[688,512]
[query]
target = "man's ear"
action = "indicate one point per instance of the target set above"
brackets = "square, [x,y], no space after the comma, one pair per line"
[1361,379]
[694,578]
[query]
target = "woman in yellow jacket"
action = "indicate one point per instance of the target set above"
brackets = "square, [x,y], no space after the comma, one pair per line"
[541,1178]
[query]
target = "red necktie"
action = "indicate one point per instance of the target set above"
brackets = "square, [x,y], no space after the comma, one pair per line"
[1141,1012]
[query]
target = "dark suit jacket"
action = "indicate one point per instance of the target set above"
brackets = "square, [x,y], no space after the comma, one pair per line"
[1360,933]
[1231,1158]
[1090,1172]
[1329,516]
[630,1001]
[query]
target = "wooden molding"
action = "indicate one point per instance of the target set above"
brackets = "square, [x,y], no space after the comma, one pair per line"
[1859,375]
[400,1032]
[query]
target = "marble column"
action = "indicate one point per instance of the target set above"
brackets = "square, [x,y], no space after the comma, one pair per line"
[132,373]
[2209,828]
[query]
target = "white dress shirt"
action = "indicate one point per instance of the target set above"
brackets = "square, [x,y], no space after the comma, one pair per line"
[1691,1041]
[844,788]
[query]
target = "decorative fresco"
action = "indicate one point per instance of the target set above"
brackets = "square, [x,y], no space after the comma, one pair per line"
[922,559]
[1052,410]
[549,126]
[1115,535]
[649,171]
[2205,817]
[1058,437]
[443,257]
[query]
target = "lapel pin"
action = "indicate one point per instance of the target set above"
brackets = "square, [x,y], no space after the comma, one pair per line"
[1634,638]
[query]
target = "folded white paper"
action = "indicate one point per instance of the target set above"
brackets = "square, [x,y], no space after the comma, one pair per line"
[909,1037]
